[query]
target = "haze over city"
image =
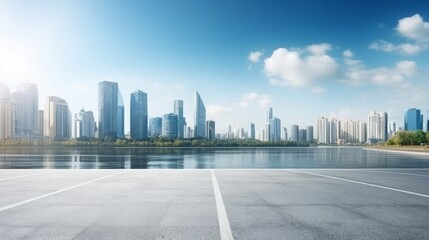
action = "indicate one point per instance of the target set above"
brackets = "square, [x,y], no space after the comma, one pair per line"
[304,59]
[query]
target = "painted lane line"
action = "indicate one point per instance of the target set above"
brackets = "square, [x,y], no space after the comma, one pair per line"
[407,174]
[58,191]
[23,176]
[225,228]
[363,183]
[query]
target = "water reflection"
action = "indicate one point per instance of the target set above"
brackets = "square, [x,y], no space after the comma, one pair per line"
[203,158]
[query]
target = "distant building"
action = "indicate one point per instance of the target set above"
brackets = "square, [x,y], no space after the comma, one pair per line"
[39,125]
[107,109]
[268,134]
[303,135]
[121,116]
[275,130]
[285,134]
[200,117]
[310,134]
[252,131]
[25,101]
[155,127]
[57,119]
[377,127]
[211,129]
[5,113]
[362,132]
[427,121]
[413,120]
[294,133]
[178,110]
[323,130]
[138,115]
[84,125]
[169,126]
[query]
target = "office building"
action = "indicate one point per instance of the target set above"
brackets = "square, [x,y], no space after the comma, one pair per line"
[302,135]
[377,129]
[155,127]
[362,132]
[252,131]
[211,129]
[121,116]
[285,134]
[294,133]
[84,125]
[200,117]
[427,121]
[108,109]
[25,101]
[138,115]
[275,130]
[5,113]
[323,130]
[267,126]
[310,134]
[178,110]
[57,118]
[169,126]
[413,120]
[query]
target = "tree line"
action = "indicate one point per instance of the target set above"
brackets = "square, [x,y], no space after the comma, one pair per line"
[409,138]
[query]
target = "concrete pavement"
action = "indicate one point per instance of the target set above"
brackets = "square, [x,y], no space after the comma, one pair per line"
[184,204]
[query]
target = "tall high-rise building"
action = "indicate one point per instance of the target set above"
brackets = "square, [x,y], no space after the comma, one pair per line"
[200,117]
[303,135]
[40,123]
[121,116]
[333,131]
[155,127]
[252,131]
[323,130]
[310,134]
[107,109]
[26,106]
[413,120]
[294,133]
[5,113]
[138,115]
[178,110]
[57,119]
[377,127]
[84,125]
[427,121]
[285,134]
[211,129]
[267,126]
[362,132]
[169,126]
[275,130]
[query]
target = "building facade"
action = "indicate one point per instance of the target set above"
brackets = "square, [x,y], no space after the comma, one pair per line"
[275,130]
[25,101]
[57,119]
[169,126]
[84,125]
[211,129]
[178,110]
[200,117]
[5,113]
[294,133]
[107,109]
[377,127]
[138,115]
[155,127]
[413,120]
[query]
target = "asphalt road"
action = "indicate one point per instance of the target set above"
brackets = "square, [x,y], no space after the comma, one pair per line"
[215,204]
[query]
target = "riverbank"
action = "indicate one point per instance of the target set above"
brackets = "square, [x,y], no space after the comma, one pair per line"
[416,150]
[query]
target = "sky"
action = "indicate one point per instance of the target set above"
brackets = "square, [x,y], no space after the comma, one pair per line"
[304,58]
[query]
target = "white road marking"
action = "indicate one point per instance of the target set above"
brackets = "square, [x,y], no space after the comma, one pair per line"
[58,191]
[363,183]
[23,176]
[225,228]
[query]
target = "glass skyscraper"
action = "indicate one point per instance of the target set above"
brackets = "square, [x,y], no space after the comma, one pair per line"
[84,124]
[169,126]
[200,117]
[178,110]
[211,129]
[25,101]
[57,119]
[274,130]
[107,109]
[5,113]
[155,127]
[121,116]
[413,120]
[138,115]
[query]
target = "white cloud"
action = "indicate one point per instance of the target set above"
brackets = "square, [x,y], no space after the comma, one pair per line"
[404,48]
[218,110]
[414,27]
[318,89]
[255,56]
[300,68]
[348,53]
[254,98]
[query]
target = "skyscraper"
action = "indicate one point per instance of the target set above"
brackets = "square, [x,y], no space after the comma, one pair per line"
[310,134]
[323,132]
[267,126]
[26,106]
[200,117]
[377,127]
[333,131]
[84,124]
[413,120]
[107,109]
[303,135]
[275,130]
[294,133]
[169,126]
[121,116]
[155,127]
[427,121]
[178,110]
[252,131]
[211,129]
[5,113]
[57,119]
[138,115]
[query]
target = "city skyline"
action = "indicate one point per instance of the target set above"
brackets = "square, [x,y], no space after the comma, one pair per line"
[242,57]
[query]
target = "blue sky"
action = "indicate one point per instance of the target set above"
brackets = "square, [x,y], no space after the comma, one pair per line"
[304,58]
